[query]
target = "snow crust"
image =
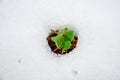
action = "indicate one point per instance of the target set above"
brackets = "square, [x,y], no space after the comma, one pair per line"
[25,24]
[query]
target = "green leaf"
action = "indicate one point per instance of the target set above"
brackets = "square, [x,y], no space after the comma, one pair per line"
[70,34]
[63,39]
[67,45]
[58,41]
[62,31]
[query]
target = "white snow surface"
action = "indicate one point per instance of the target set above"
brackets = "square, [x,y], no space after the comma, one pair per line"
[25,54]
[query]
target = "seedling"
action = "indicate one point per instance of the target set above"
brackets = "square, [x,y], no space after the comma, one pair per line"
[62,41]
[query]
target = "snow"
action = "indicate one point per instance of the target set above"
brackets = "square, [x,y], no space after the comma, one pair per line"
[25,24]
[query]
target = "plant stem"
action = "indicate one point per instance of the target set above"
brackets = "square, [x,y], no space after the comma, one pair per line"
[62,52]
[55,49]
[53,31]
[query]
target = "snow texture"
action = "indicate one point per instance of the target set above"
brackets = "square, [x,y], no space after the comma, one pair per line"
[24,52]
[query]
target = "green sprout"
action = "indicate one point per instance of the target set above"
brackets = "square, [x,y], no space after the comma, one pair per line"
[63,39]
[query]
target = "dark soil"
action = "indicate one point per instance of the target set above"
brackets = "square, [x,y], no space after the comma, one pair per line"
[53,46]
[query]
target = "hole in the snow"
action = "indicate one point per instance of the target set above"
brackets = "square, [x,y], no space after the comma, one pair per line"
[62,41]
